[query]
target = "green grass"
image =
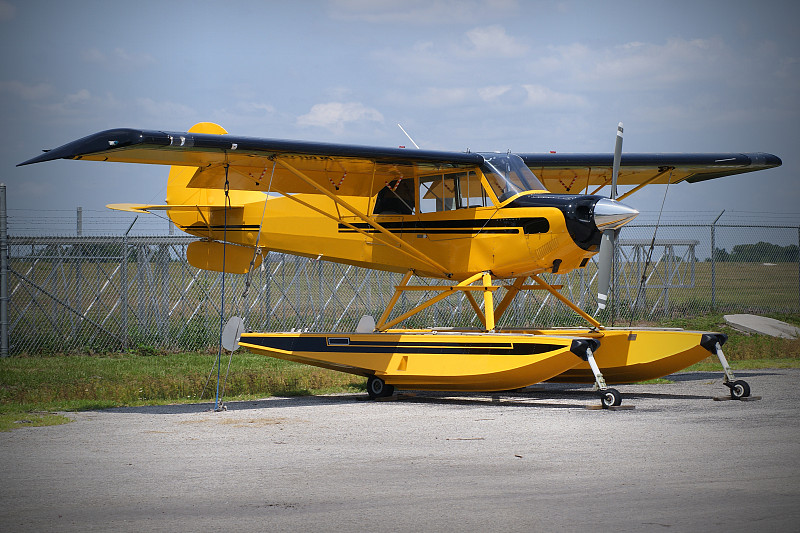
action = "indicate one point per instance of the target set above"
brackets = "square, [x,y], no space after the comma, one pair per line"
[79,382]
[16,419]
[712,365]
[33,389]
[741,346]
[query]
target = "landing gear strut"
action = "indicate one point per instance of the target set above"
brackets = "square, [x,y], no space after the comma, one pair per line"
[377,388]
[583,348]
[713,343]
[608,397]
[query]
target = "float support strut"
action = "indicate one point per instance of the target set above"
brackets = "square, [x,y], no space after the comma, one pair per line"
[729,377]
[600,381]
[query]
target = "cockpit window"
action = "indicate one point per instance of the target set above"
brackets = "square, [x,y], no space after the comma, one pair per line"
[397,198]
[508,175]
[447,191]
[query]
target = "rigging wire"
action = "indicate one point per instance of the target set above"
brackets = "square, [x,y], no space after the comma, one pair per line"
[256,251]
[642,282]
[217,406]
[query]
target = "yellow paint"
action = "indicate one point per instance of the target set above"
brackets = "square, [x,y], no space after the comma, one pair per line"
[631,355]
[337,224]
[209,256]
[427,368]
[624,356]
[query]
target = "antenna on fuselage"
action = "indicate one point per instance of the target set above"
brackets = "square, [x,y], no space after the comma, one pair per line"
[409,137]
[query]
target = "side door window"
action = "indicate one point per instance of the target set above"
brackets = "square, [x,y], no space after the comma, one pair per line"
[396,198]
[450,191]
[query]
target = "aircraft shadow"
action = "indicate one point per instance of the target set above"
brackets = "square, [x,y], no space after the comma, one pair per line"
[546,395]
[478,399]
[698,376]
[491,400]
[241,405]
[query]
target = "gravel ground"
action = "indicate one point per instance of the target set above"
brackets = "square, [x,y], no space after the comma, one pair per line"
[539,459]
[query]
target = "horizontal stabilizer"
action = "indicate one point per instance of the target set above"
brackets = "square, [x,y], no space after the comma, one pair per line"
[144,208]
[208,255]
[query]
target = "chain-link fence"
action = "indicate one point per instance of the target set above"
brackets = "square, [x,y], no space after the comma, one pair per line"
[71,294]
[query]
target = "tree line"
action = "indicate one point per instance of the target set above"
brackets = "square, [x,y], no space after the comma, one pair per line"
[761,252]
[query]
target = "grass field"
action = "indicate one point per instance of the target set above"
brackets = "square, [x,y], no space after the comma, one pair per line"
[34,389]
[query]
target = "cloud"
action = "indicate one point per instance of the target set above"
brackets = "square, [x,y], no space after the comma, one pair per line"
[636,65]
[488,49]
[447,96]
[255,108]
[418,12]
[493,41]
[26,91]
[492,93]
[256,118]
[334,115]
[541,96]
[73,104]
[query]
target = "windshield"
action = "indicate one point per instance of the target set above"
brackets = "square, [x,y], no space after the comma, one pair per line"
[508,175]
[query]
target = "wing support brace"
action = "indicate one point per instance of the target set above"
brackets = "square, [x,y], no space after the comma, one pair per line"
[401,245]
[552,290]
[446,290]
[646,182]
[489,315]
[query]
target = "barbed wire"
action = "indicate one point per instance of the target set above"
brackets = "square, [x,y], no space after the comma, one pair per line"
[24,222]
[727,217]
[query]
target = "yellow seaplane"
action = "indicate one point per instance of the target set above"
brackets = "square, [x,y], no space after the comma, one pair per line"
[489,223]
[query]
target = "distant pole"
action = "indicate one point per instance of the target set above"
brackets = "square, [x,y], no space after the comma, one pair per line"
[3,273]
[78,251]
[124,296]
[714,262]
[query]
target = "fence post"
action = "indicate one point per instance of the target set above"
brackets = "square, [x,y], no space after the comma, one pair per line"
[3,273]
[124,260]
[77,250]
[124,296]
[714,263]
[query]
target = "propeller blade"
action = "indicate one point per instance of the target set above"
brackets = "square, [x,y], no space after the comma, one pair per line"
[606,256]
[617,158]
[605,260]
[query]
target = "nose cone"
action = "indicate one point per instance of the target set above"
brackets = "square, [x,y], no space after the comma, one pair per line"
[611,214]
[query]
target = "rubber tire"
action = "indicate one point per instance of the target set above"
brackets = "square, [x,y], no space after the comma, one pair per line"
[610,398]
[739,389]
[377,388]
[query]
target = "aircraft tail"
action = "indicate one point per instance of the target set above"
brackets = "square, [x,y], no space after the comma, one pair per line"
[178,192]
[202,212]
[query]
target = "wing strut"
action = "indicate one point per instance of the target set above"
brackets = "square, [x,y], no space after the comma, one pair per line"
[551,289]
[646,182]
[401,245]
[490,314]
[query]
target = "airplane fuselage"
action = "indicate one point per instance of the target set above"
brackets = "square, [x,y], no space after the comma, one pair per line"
[531,234]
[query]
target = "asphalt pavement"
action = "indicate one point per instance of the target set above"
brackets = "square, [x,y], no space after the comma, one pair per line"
[536,460]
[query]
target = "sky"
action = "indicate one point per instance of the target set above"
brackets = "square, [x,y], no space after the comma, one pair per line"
[483,75]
